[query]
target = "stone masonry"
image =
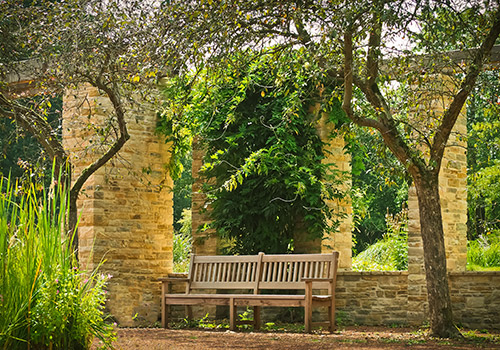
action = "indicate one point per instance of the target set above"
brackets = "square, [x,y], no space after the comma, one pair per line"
[125,207]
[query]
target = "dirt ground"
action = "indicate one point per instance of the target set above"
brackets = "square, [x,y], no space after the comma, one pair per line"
[345,338]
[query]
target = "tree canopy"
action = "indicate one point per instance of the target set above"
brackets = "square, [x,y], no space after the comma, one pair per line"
[390,65]
[111,46]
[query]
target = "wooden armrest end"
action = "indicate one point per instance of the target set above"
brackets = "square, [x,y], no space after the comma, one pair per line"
[310,279]
[173,279]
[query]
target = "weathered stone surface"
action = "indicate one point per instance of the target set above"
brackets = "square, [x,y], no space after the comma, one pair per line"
[125,208]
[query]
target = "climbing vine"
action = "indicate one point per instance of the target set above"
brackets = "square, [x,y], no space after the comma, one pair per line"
[265,169]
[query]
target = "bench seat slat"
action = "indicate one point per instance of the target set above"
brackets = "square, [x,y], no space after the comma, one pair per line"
[244,299]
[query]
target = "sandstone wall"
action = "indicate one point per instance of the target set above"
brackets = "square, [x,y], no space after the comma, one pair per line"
[205,242]
[382,298]
[476,299]
[125,207]
[341,239]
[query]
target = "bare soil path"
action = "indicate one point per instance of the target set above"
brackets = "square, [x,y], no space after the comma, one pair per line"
[346,338]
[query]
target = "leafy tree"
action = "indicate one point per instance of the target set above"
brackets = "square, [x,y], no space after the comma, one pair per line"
[483,157]
[112,46]
[357,43]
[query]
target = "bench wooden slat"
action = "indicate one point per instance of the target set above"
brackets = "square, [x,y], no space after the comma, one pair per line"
[225,258]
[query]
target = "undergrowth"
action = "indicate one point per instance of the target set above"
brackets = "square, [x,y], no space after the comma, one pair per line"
[484,253]
[391,252]
[46,301]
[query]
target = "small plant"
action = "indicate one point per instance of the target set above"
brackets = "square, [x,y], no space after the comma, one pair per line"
[480,336]
[46,302]
[484,252]
[391,252]
[341,318]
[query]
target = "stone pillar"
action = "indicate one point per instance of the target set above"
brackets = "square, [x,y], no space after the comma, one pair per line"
[417,288]
[125,207]
[453,194]
[341,239]
[205,242]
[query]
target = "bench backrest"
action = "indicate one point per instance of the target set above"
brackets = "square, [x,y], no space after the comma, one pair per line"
[257,272]
[224,272]
[287,271]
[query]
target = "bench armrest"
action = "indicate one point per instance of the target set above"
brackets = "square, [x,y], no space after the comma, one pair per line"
[173,279]
[309,280]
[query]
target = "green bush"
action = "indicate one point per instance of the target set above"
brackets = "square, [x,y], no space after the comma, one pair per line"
[182,243]
[391,252]
[484,252]
[46,302]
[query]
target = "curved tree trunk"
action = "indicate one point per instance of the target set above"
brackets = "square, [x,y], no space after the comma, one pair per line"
[431,227]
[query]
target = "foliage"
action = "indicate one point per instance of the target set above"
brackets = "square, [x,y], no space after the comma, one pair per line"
[379,186]
[264,159]
[182,192]
[483,157]
[46,302]
[21,155]
[183,243]
[391,252]
[484,252]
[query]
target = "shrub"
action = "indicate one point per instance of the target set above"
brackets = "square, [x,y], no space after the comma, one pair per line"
[484,252]
[182,243]
[391,252]
[46,302]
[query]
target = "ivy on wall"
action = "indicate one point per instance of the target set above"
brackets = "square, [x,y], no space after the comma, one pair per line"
[265,169]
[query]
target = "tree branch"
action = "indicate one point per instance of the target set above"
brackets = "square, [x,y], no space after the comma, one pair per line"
[451,114]
[386,125]
[117,145]
[373,50]
[36,125]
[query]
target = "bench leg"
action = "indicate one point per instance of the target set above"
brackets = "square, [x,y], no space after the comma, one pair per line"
[164,321]
[163,307]
[232,315]
[308,307]
[331,318]
[256,318]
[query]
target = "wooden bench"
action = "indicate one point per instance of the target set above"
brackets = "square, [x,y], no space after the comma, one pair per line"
[249,275]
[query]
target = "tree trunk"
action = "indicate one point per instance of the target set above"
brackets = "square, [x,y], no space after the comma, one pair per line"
[431,227]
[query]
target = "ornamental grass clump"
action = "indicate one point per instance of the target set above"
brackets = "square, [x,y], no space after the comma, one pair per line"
[46,301]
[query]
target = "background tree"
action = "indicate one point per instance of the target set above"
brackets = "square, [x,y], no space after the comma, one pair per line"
[379,186]
[483,158]
[357,43]
[110,45]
